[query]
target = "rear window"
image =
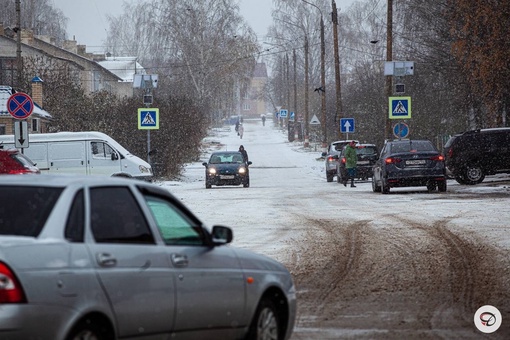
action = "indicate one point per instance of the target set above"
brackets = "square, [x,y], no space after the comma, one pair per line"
[366,150]
[24,210]
[412,146]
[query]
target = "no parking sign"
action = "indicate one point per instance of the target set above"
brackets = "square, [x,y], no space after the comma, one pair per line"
[20,105]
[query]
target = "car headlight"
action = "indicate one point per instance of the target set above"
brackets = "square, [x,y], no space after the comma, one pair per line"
[242,170]
[143,169]
[212,171]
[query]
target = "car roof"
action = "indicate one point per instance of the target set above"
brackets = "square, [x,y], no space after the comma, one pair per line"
[224,152]
[63,180]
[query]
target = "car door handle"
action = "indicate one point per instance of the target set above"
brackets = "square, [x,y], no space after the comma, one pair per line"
[106,260]
[179,260]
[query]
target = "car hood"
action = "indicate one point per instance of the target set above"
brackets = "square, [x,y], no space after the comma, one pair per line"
[253,261]
[226,167]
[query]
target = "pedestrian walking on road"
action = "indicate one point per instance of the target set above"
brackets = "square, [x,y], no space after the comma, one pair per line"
[240,131]
[245,154]
[351,162]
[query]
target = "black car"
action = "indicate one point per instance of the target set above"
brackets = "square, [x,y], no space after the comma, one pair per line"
[226,168]
[472,155]
[367,156]
[409,163]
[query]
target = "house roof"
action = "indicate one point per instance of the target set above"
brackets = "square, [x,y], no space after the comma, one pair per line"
[123,67]
[6,92]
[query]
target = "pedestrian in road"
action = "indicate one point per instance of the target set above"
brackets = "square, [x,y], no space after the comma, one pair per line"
[240,131]
[237,127]
[351,161]
[263,120]
[244,153]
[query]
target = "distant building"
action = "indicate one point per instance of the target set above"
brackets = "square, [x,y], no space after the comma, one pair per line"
[253,103]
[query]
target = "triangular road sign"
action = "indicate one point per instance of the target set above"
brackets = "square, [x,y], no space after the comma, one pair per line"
[315,120]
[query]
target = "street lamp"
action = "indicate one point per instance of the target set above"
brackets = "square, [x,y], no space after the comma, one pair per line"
[323,80]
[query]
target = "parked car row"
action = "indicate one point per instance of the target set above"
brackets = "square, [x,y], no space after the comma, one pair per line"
[468,157]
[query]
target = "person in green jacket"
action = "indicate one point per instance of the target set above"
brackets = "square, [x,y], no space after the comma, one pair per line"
[351,161]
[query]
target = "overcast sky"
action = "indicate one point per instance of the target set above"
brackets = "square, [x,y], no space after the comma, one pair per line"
[88,24]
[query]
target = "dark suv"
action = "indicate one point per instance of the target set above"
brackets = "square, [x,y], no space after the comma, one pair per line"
[472,155]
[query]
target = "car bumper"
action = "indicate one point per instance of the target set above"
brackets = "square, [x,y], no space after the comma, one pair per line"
[25,321]
[412,181]
[227,179]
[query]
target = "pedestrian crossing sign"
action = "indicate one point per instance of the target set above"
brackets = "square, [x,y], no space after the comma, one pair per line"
[148,119]
[399,107]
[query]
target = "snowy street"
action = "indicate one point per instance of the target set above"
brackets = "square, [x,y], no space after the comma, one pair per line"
[411,264]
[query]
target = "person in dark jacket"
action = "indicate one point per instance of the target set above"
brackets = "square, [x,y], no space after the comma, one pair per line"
[245,154]
[351,161]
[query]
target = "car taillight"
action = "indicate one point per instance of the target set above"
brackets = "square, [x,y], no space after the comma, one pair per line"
[344,160]
[392,160]
[331,159]
[438,158]
[10,288]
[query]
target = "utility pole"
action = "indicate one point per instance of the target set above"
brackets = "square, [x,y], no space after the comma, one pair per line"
[389,58]
[18,49]
[295,123]
[323,87]
[339,109]
[307,115]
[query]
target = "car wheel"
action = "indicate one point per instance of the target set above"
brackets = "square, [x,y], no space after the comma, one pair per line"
[329,177]
[91,329]
[375,187]
[385,187]
[338,177]
[474,174]
[247,183]
[207,185]
[441,186]
[431,186]
[265,324]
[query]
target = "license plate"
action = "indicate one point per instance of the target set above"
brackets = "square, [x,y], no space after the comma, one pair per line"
[416,162]
[227,177]
[363,162]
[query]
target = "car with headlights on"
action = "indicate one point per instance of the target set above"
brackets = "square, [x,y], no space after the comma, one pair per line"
[96,257]
[367,155]
[227,168]
[409,163]
[15,163]
[332,157]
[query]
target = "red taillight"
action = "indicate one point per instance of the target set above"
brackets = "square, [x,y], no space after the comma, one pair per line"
[344,160]
[10,288]
[392,160]
[438,158]
[331,159]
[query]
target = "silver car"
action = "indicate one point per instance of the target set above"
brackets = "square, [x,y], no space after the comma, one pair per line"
[110,258]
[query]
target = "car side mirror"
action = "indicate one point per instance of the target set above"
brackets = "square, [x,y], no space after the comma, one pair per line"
[204,163]
[249,163]
[115,156]
[222,235]
[324,154]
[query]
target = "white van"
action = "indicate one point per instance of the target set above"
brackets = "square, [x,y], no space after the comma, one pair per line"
[91,153]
